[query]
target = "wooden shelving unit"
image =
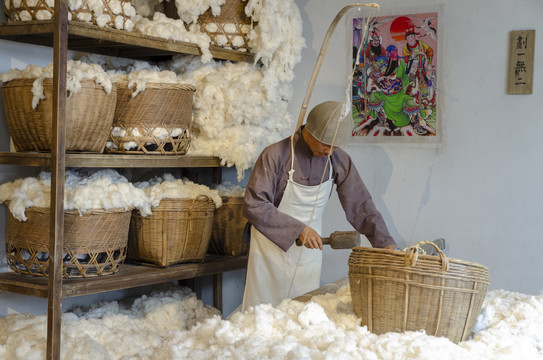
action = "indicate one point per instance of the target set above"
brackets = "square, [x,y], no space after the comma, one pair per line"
[63,35]
[129,276]
[110,160]
[93,39]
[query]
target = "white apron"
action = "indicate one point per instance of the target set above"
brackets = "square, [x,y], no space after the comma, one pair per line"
[270,270]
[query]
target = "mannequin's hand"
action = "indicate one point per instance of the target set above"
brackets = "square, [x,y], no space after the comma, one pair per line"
[310,238]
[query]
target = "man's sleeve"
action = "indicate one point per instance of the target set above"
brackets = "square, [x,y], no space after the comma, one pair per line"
[259,207]
[358,205]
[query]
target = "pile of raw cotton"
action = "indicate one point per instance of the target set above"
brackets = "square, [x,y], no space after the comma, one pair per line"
[168,187]
[76,71]
[87,189]
[83,190]
[228,189]
[172,324]
[239,108]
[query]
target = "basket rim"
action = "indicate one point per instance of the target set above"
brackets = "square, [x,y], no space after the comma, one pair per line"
[20,82]
[123,85]
[401,253]
[43,209]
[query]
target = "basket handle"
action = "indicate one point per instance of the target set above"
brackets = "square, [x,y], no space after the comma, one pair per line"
[200,197]
[412,254]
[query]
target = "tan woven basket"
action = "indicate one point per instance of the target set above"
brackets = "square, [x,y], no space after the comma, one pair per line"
[229,30]
[178,231]
[406,291]
[155,121]
[23,10]
[89,115]
[94,242]
[228,225]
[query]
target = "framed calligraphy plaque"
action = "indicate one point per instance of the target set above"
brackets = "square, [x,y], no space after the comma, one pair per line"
[521,62]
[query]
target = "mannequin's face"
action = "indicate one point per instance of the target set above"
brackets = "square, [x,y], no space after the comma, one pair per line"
[317,148]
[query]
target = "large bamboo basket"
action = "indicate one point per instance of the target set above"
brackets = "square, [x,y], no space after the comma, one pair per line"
[89,115]
[166,107]
[23,10]
[94,242]
[228,30]
[178,231]
[228,225]
[406,291]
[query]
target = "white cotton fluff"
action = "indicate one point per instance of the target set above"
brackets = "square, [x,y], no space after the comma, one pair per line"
[76,71]
[84,190]
[171,323]
[230,190]
[168,187]
[147,8]
[138,79]
[113,65]
[238,110]
[277,40]
[107,330]
[122,12]
[189,10]
[167,28]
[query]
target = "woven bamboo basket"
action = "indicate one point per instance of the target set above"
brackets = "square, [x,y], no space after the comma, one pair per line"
[155,121]
[26,10]
[94,242]
[228,225]
[179,230]
[228,30]
[89,115]
[406,291]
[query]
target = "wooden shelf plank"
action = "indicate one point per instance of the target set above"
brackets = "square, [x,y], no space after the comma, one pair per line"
[130,275]
[110,160]
[95,39]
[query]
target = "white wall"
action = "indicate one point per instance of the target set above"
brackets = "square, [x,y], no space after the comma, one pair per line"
[481,189]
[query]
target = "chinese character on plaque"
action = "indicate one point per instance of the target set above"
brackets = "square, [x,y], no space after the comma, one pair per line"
[521,62]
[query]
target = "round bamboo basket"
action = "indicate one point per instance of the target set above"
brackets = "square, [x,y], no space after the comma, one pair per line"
[178,231]
[94,242]
[228,225]
[137,120]
[401,291]
[89,115]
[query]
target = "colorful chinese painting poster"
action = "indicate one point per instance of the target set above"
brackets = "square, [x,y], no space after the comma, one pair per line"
[394,89]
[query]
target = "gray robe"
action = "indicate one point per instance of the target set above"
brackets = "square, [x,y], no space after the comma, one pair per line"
[269,178]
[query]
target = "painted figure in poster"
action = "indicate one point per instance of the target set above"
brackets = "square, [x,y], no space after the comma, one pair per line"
[389,100]
[375,48]
[396,79]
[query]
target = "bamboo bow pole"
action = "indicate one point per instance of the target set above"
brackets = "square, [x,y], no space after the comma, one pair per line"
[320,58]
[312,81]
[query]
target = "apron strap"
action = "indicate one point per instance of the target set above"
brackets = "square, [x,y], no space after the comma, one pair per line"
[291,171]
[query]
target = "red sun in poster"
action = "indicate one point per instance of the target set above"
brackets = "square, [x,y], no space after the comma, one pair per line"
[398,26]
